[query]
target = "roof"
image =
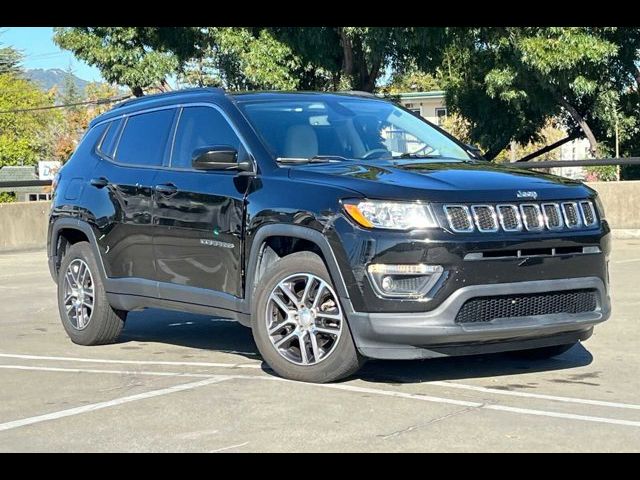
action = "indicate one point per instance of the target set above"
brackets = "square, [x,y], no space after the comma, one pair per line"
[14,174]
[419,95]
[19,173]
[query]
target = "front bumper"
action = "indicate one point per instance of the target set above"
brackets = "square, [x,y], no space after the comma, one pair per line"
[435,333]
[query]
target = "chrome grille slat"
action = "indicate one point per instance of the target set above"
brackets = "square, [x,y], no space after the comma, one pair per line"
[531,217]
[485,218]
[588,213]
[571,215]
[518,217]
[459,218]
[552,216]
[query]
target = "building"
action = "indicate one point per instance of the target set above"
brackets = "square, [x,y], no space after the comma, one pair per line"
[429,105]
[23,173]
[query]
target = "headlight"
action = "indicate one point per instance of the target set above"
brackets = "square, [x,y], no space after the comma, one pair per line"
[390,215]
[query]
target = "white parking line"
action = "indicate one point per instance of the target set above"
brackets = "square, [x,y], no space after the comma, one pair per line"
[229,447]
[219,378]
[463,386]
[132,362]
[555,398]
[502,408]
[118,372]
[109,403]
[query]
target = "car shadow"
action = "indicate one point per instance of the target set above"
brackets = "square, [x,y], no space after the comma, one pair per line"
[220,335]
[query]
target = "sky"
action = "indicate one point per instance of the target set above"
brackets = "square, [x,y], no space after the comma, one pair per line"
[36,43]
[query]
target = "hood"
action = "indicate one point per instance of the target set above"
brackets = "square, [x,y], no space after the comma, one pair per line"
[441,181]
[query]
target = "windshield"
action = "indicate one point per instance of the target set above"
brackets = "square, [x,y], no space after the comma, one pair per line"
[352,128]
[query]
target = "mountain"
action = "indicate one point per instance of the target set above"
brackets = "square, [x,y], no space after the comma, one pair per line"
[53,77]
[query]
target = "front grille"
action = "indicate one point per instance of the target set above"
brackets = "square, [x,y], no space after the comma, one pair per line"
[552,216]
[486,309]
[459,218]
[485,217]
[518,217]
[588,213]
[509,218]
[571,216]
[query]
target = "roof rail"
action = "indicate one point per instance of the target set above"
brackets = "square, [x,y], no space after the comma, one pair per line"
[359,93]
[155,96]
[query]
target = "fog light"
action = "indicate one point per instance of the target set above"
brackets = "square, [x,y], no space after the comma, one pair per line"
[397,281]
[387,284]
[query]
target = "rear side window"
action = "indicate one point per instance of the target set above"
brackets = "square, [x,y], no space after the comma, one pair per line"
[201,127]
[144,138]
[108,145]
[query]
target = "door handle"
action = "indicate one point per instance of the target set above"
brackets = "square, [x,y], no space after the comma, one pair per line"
[99,182]
[166,189]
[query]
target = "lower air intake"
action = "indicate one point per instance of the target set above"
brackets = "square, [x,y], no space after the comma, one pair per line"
[486,309]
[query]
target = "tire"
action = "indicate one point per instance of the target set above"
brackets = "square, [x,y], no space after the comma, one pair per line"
[340,360]
[102,324]
[543,353]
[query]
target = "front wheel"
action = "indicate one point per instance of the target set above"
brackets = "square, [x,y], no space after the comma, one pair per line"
[298,323]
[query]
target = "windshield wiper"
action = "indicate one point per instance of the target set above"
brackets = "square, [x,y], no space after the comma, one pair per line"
[314,159]
[416,155]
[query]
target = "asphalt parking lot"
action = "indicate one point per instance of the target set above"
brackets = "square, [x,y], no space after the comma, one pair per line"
[182,382]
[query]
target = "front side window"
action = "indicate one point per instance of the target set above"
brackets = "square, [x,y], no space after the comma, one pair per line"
[144,138]
[346,127]
[201,127]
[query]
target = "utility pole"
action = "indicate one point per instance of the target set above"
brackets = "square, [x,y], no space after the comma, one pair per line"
[617,147]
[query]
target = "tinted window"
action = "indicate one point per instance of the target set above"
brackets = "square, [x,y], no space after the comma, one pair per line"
[108,144]
[144,138]
[200,127]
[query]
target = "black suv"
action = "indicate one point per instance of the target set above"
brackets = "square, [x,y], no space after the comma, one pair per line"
[336,226]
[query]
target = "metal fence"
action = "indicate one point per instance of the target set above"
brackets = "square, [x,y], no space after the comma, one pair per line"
[527,165]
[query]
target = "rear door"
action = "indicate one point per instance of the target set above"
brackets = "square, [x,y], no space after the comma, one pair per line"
[199,214]
[132,150]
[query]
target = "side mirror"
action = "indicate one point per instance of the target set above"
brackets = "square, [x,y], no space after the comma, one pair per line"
[218,157]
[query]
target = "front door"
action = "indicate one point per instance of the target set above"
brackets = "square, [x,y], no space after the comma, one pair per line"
[198,215]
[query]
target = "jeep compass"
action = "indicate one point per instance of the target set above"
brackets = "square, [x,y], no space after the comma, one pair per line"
[338,227]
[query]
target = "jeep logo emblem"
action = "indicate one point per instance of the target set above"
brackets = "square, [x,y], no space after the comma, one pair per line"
[527,194]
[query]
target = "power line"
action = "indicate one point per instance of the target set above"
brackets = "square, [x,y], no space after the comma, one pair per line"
[68,105]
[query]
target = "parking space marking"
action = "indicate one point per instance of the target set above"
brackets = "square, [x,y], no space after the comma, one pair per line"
[352,388]
[496,391]
[133,362]
[229,447]
[584,401]
[109,403]
[118,372]
[485,406]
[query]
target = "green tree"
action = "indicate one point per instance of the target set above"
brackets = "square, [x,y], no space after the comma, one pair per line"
[23,134]
[133,56]
[243,59]
[411,81]
[10,59]
[510,82]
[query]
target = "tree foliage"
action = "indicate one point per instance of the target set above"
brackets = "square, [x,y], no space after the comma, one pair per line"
[23,135]
[509,82]
[136,57]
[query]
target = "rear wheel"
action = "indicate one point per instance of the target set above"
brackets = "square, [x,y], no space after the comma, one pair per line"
[298,323]
[543,353]
[84,310]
